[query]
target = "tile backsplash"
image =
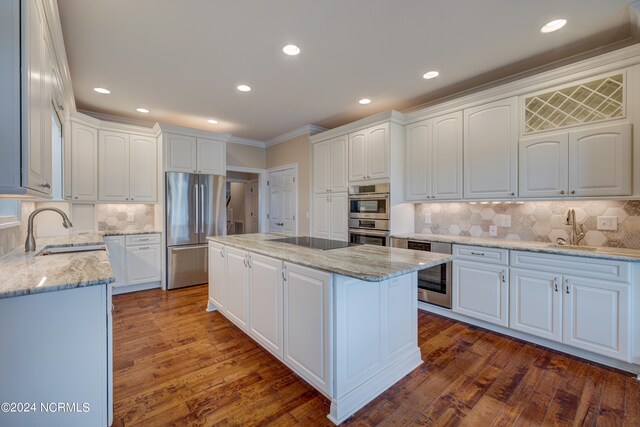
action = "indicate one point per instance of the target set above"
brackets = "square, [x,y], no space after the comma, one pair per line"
[116,217]
[533,221]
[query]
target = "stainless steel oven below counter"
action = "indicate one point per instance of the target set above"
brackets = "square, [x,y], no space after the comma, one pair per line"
[369,237]
[434,284]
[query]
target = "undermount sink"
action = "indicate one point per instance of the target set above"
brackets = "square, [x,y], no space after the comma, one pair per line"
[71,249]
[576,247]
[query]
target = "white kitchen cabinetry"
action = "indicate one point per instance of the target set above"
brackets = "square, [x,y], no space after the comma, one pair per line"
[143,264]
[491,150]
[480,283]
[195,155]
[369,153]
[237,287]
[127,167]
[330,165]
[590,162]
[62,347]
[117,249]
[584,304]
[217,277]
[433,150]
[307,324]
[265,302]
[330,216]
[135,260]
[84,162]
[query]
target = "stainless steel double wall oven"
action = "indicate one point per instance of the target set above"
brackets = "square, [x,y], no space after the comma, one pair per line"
[369,214]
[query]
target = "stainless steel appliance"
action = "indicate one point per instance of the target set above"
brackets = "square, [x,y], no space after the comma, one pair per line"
[314,242]
[369,214]
[195,209]
[434,284]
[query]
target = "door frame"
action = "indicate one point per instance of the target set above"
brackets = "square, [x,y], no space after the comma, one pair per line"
[263,176]
[289,166]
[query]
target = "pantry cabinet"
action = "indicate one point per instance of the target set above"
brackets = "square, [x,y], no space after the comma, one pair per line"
[330,165]
[195,155]
[433,150]
[127,167]
[330,216]
[369,153]
[491,150]
[590,162]
[84,162]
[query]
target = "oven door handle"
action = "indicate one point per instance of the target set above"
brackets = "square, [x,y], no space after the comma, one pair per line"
[370,196]
[369,232]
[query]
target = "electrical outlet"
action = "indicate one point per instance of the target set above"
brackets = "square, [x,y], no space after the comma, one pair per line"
[427,218]
[131,216]
[608,223]
[505,221]
[493,230]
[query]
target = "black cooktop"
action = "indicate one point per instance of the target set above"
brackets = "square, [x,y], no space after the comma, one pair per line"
[315,242]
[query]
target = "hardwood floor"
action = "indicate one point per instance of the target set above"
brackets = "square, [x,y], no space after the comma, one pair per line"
[175,364]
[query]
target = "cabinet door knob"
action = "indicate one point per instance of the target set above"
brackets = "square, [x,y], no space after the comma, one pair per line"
[573,191]
[513,194]
[46,185]
[555,283]
[76,197]
[561,191]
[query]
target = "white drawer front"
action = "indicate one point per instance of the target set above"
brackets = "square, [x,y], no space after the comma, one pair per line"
[143,239]
[571,265]
[480,254]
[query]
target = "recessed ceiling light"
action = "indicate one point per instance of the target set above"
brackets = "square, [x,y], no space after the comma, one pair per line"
[430,75]
[102,90]
[212,121]
[552,26]
[365,101]
[291,49]
[243,88]
[142,110]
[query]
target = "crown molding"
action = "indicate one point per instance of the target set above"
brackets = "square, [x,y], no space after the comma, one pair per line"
[304,130]
[197,133]
[118,119]
[107,122]
[246,141]
[386,116]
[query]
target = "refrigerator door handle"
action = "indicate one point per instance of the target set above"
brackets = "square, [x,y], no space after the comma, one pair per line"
[202,222]
[195,188]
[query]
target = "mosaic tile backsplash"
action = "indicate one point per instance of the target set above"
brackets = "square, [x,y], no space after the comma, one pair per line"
[533,221]
[115,217]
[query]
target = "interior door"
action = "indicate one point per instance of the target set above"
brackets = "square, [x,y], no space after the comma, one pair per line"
[251,207]
[282,201]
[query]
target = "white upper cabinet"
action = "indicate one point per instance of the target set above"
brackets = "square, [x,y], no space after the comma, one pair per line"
[84,163]
[211,157]
[195,155]
[491,150]
[127,167]
[600,161]
[369,153]
[113,166]
[433,150]
[330,165]
[330,219]
[544,165]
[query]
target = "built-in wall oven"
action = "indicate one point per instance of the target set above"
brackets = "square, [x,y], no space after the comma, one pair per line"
[369,214]
[434,284]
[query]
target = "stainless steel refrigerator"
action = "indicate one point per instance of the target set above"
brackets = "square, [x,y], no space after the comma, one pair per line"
[195,209]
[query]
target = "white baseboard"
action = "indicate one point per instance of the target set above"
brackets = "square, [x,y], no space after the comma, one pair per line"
[125,289]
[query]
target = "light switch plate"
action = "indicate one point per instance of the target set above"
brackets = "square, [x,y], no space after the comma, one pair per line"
[505,221]
[493,230]
[427,218]
[131,216]
[608,223]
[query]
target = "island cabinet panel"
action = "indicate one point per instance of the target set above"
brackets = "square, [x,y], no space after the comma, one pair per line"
[265,302]
[378,327]
[217,277]
[237,287]
[307,324]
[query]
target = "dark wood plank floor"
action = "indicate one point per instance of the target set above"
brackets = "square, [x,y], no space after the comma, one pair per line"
[175,364]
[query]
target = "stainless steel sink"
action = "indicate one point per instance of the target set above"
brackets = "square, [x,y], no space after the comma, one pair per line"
[71,249]
[575,247]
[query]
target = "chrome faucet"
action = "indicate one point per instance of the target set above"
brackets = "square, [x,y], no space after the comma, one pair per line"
[576,236]
[30,243]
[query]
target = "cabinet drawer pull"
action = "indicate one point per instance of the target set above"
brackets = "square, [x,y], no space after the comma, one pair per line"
[477,253]
[555,284]
[221,253]
[284,277]
[244,260]
[144,247]
[566,286]
[502,277]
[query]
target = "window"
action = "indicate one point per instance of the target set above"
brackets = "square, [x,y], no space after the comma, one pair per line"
[9,213]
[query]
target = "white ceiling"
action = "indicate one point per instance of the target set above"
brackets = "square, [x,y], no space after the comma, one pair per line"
[183,59]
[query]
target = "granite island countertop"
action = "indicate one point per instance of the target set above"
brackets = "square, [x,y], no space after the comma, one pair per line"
[617,254]
[365,262]
[23,273]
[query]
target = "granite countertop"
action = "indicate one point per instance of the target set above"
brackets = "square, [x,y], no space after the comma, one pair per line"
[127,232]
[618,254]
[23,273]
[364,262]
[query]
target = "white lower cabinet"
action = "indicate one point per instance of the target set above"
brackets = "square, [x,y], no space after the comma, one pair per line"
[237,287]
[307,325]
[265,302]
[481,291]
[143,264]
[135,260]
[217,276]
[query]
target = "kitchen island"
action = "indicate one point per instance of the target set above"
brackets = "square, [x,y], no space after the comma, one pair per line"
[344,319]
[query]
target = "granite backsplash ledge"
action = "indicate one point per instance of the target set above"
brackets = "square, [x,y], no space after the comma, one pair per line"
[116,217]
[542,221]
